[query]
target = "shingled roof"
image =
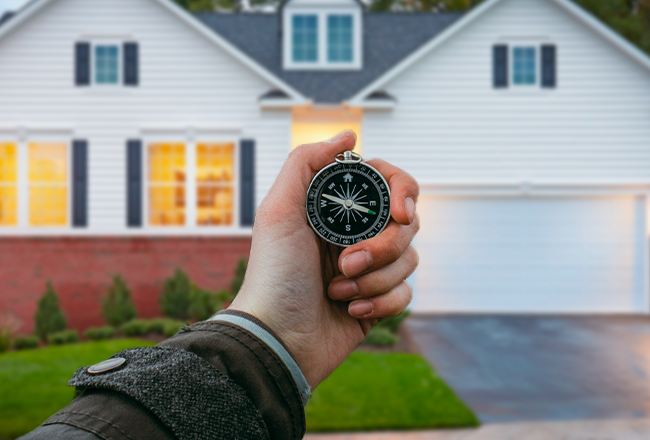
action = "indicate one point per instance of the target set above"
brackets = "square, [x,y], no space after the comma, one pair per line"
[387,39]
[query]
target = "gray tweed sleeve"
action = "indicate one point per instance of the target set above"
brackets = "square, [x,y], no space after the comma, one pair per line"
[191,397]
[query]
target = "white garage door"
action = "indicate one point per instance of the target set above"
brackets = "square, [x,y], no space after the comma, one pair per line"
[531,254]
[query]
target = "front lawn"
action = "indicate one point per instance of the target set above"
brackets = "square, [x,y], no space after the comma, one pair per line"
[374,391]
[33,382]
[369,391]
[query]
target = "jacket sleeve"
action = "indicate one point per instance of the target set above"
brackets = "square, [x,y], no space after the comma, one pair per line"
[226,378]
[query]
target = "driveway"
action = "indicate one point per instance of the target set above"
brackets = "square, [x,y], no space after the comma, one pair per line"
[531,368]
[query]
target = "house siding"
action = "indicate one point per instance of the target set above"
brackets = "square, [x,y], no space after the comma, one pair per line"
[594,127]
[81,271]
[186,82]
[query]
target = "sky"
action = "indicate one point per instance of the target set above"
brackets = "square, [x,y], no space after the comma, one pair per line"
[10,5]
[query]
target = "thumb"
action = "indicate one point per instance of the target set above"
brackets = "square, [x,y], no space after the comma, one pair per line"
[290,188]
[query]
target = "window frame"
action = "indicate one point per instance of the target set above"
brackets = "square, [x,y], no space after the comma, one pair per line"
[538,68]
[120,62]
[191,186]
[322,60]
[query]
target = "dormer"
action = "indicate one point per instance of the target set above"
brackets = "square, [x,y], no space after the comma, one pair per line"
[322,34]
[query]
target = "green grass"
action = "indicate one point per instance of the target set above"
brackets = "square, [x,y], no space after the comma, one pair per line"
[375,391]
[33,382]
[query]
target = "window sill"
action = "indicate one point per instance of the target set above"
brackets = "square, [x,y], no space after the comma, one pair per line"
[171,232]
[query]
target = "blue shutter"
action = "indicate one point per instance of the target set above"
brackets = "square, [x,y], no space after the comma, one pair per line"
[131,71]
[134,183]
[247,182]
[79,183]
[82,64]
[500,66]
[549,76]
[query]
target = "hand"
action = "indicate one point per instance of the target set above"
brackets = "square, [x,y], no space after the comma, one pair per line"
[291,269]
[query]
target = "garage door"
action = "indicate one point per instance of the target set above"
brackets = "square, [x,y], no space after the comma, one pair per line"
[531,255]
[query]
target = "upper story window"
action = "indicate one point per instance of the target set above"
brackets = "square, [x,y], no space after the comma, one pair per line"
[524,66]
[305,38]
[339,38]
[318,37]
[106,64]
[100,64]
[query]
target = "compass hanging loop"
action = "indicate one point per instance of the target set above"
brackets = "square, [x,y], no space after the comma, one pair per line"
[348,158]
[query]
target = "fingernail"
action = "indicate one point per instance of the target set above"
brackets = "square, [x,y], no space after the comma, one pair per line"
[360,308]
[337,137]
[344,290]
[409,206]
[356,263]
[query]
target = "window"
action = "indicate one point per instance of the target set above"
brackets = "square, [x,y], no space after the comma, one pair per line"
[167,184]
[8,184]
[305,38]
[48,184]
[524,66]
[202,196]
[215,184]
[107,64]
[339,38]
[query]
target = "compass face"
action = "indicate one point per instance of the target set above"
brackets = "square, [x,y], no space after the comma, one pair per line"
[348,203]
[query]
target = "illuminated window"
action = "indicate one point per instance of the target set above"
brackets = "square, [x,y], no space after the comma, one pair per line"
[167,183]
[8,184]
[214,184]
[48,184]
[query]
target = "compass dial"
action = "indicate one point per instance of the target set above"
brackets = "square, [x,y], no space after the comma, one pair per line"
[348,203]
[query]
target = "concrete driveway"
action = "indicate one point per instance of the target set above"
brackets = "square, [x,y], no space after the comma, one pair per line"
[529,368]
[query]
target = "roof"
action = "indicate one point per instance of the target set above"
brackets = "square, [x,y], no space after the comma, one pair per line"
[388,39]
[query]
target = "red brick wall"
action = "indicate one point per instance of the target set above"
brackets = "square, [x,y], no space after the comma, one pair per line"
[81,270]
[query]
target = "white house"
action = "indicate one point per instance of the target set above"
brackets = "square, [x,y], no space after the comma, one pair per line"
[133,127]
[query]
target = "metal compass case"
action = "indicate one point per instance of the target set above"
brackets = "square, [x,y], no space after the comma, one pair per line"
[348,201]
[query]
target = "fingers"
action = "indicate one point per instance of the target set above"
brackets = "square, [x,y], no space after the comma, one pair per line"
[404,191]
[374,283]
[379,251]
[391,303]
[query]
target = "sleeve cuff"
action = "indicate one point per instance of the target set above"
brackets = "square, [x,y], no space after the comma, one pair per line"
[266,335]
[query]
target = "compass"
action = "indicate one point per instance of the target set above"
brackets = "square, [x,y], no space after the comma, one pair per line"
[348,201]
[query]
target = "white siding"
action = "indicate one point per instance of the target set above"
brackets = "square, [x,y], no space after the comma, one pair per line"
[451,125]
[185,81]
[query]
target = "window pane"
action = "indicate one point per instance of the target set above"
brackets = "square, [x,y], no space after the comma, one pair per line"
[339,38]
[8,184]
[8,205]
[167,178]
[524,71]
[106,64]
[215,177]
[305,38]
[48,183]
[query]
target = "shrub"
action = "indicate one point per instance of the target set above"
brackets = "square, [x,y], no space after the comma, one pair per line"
[26,342]
[118,306]
[157,325]
[172,327]
[136,327]
[202,304]
[49,317]
[381,337]
[100,333]
[223,298]
[5,341]
[240,273]
[63,337]
[175,298]
[9,325]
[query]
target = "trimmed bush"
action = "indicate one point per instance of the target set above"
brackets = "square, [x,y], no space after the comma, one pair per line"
[203,304]
[175,298]
[381,337]
[26,342]
[172,327]
[157,325]
[49,317]
[137,327]
[100,333]
[64,337]
[5,341]
[118,307]
[240,274]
